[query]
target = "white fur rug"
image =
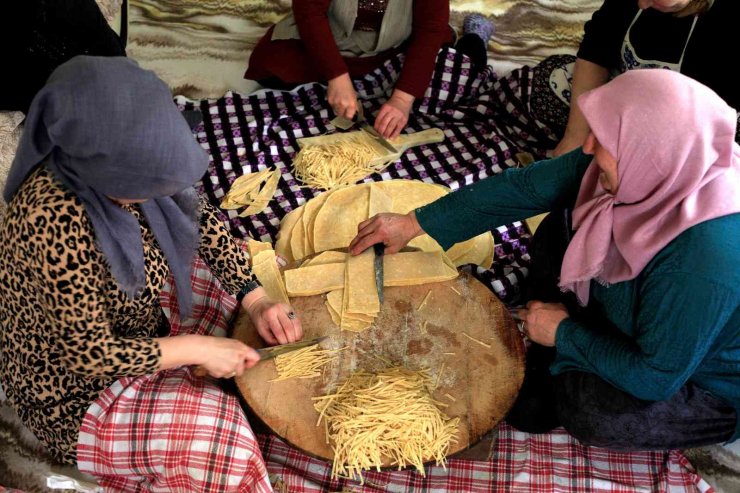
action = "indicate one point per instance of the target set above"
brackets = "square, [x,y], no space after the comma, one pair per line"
[24,464]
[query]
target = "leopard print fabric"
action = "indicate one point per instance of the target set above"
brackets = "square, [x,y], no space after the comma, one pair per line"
[67,331]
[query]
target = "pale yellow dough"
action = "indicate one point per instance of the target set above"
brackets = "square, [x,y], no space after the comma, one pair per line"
[400,269]
[253,190]
[256,246]
[309,219]
[331,220]
[359,285]
[265,268]
[327,257]
[288,223]
[336,223]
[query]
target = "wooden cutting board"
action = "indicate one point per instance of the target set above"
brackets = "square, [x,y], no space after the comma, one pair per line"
[401,143]
[482,381]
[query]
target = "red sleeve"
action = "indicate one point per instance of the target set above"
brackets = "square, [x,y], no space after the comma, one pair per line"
[313,26]
[430,30]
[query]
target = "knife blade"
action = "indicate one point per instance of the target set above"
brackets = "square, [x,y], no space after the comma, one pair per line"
[268,353]
[379,249]
[275,351]
[365,125]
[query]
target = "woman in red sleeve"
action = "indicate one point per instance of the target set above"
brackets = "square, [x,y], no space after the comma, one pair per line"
[333,41]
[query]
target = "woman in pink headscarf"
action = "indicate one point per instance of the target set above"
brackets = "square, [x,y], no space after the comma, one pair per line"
[635,315]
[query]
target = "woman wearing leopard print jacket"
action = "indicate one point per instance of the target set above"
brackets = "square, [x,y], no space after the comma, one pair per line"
[101,212]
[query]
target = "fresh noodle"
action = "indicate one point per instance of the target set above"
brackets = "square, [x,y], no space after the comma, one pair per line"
[303,363]
[477,340]
[385,417]
[329,166]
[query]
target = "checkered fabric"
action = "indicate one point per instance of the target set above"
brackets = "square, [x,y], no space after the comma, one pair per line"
[520,462]
[551,462]
[486,121]
[172,431]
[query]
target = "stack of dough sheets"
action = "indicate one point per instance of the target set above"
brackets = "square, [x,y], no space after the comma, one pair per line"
[326,224]
[329,221]
[352,298]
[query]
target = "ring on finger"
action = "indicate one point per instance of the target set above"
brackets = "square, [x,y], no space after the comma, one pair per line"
[291,315]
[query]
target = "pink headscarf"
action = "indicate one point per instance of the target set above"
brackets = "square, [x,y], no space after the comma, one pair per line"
[678,165]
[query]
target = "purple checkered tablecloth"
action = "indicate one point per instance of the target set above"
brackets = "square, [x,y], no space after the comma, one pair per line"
[486,121]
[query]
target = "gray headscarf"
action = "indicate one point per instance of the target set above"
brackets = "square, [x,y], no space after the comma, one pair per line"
[108,128]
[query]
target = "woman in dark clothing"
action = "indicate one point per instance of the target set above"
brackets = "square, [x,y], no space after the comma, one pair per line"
[332,41]
[694,37]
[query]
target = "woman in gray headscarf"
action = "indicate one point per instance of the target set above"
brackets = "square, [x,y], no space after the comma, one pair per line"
[101,211]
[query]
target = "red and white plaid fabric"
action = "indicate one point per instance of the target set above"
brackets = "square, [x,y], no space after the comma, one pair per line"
[172,431]
[520,462]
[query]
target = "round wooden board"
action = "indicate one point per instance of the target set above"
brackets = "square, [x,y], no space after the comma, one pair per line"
[483,381]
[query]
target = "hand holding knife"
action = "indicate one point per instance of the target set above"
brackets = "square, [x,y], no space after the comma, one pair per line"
[269,353]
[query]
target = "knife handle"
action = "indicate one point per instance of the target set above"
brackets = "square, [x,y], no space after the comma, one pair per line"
[200,370]
[424,137]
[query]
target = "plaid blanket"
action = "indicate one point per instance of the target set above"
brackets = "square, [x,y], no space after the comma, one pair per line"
[172,431]
[520,462]
[551,462]
[486,121]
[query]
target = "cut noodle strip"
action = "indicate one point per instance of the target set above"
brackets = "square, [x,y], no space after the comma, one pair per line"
[303,363]
[385,417]
[329,166]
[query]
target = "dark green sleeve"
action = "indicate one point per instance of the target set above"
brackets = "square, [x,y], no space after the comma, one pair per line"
[513,195]
[678,320]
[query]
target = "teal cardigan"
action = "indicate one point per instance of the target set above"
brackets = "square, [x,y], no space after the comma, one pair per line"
[679,320]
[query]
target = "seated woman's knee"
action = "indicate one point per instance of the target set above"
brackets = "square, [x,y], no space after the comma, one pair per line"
[592,412]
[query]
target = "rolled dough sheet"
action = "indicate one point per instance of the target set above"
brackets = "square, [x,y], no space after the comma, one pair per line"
[327,257]
[400,269]
[282,246]
[361,292]
[314,279]
[336,223]
[264,266]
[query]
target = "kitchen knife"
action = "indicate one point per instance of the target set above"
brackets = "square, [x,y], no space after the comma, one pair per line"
[272,352]
[379,249]
[275,351]
[365,125]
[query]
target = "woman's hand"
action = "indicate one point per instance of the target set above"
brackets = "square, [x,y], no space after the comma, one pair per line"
[393,230]
[394,114]
[342,96]
[541,321]
[276,323]
[225,358]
